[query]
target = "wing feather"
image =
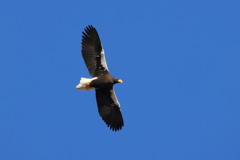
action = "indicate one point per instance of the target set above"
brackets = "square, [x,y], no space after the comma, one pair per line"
[92,52]
[109,108]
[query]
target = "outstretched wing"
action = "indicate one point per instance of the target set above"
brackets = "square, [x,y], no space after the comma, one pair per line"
[92,52]
[109,108]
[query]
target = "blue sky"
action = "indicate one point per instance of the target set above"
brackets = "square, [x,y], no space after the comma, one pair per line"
[179,61]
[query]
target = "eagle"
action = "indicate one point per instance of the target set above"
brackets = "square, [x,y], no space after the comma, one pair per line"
[102,81]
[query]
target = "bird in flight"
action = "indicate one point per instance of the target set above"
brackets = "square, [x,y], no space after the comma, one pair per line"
[102,81]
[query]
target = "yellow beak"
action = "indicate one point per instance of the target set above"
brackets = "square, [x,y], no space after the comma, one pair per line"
[120,81]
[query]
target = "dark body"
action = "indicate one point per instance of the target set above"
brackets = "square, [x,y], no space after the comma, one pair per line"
[104,80]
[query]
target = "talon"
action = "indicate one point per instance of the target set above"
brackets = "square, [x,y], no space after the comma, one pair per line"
[88,86]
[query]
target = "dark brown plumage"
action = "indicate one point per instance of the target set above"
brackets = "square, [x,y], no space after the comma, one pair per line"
[102,81]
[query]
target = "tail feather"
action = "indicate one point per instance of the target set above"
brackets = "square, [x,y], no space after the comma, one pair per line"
[83,82]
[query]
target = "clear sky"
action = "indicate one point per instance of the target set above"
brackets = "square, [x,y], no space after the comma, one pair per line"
[179,61]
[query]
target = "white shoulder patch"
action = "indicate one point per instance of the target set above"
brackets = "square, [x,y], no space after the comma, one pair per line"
[103,59]
[113,96]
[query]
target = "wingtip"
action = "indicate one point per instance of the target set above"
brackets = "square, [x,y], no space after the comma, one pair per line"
[88,30]
[116,127]
[89,27]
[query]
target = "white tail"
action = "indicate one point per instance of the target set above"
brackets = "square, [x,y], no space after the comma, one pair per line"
[83,81]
